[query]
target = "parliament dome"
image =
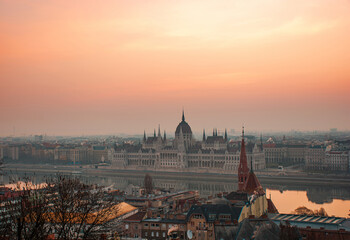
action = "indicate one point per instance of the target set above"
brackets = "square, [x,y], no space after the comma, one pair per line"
[186,129]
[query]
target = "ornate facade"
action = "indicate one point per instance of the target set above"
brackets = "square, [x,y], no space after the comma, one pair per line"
[214,154]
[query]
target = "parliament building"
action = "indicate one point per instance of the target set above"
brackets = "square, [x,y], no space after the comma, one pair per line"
[214,154]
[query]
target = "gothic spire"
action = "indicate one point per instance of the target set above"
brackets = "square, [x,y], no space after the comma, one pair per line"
[243,170]
[144,135]
[203,134]
[154,133]
[158,130]
[225,134]
[183,115]
[164,135]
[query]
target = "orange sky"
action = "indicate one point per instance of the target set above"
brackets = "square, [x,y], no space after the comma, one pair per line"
[87,67]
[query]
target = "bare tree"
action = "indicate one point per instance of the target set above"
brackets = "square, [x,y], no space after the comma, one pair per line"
[306,211]
[65,208]
[22,213]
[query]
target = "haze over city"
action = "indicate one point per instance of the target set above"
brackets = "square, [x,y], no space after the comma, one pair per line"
[175,120]
[68,68]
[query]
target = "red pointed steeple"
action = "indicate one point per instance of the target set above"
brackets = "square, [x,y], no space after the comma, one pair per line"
[243,170]
[252,185]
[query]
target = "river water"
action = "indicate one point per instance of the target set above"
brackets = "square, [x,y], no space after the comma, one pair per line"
[287,196]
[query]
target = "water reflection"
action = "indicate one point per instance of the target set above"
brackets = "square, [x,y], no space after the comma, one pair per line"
[283,194]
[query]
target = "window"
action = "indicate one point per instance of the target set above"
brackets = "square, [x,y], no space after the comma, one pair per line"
[225,216]
[157,234]
[126,226]
[163,234]
[152,234]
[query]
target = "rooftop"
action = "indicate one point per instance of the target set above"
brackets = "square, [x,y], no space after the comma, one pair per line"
[326,222]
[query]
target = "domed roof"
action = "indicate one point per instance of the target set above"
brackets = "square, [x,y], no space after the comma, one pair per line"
[186,129]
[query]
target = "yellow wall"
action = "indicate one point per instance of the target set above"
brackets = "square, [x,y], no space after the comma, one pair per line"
[257,208]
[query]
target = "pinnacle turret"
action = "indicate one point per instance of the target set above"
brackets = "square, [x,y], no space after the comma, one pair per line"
[243,170]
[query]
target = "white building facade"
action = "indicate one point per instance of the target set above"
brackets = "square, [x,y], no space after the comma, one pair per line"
[214,154]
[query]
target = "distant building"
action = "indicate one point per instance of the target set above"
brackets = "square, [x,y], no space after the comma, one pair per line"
[38,138]
[315,158]
[133,226]
[316,227]
[284,153]
[214,153]
[337,160]
[10,152]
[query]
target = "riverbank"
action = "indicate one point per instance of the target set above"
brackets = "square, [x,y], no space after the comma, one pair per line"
[265,176]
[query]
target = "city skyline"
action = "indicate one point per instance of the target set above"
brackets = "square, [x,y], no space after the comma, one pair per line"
[115,67]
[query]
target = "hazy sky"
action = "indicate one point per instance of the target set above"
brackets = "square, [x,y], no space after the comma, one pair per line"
[87,67]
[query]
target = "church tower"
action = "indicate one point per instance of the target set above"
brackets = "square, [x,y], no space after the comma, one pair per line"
[243,170]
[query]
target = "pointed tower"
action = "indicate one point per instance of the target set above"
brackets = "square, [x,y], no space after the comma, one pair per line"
[203,135]
[243,170]
[158,130]
[213,132]
[154,135]
[144,136]
[252,185]
[183,115]
[164,136]
[225,134]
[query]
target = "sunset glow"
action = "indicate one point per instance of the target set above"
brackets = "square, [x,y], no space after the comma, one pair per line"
[105,67]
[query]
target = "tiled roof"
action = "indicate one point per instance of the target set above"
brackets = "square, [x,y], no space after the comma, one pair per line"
[151,140]
[253,184]
[313,221]
[137,217]
[215,209]
[241,196]
[271,208]
[164,220]
[213,139]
